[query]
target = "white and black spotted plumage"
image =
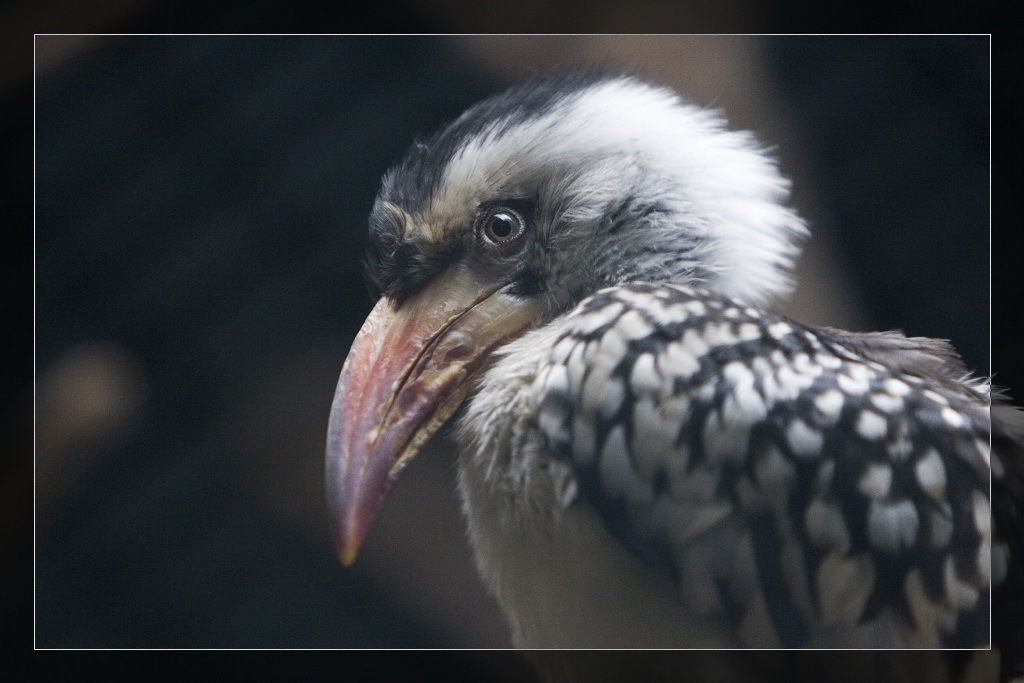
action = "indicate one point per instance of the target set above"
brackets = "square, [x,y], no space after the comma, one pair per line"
[789,485]
[649,457]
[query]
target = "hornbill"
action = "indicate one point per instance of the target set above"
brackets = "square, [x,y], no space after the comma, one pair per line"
[580,271]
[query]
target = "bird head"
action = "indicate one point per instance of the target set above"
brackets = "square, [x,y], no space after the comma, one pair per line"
[524,205]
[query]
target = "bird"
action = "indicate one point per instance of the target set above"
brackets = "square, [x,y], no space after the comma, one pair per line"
[575,279]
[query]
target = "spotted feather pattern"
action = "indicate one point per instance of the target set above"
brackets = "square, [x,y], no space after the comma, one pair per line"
[788,478]
[1008,535]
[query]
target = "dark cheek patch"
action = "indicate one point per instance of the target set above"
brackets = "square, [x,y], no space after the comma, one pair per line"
[529,283]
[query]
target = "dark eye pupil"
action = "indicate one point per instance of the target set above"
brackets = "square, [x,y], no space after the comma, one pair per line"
[502,225]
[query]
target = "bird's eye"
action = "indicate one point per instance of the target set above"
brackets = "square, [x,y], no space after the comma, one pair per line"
[502,226]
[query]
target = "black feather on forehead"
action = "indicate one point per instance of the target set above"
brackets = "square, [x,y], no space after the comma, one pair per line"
[413,180]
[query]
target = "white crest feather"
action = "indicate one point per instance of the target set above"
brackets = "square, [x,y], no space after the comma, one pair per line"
[624,133]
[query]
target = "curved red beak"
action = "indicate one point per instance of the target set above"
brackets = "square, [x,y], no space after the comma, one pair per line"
[408,371]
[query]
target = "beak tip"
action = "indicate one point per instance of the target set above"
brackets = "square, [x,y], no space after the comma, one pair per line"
[349,533]
[347,554]
[348,540]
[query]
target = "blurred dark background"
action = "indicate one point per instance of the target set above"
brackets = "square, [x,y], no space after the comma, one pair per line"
[200,208]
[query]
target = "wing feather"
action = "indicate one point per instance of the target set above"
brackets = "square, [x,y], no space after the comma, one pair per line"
[807,484]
